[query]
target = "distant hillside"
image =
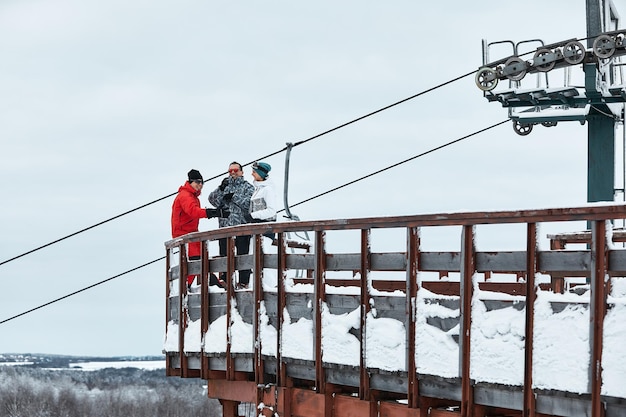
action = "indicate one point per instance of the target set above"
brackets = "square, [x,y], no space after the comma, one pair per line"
[39,360]
[109,392]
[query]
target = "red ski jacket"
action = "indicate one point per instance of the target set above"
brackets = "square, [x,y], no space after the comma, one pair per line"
[186,211]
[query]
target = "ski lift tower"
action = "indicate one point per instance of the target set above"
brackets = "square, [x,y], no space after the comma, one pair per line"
[597,100]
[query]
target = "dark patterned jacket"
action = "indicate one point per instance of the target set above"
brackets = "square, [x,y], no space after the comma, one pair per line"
[242,190]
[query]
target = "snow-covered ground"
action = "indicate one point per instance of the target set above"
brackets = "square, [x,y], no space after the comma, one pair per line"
[95,366]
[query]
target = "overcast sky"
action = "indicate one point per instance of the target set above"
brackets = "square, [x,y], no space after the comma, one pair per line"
[105,106]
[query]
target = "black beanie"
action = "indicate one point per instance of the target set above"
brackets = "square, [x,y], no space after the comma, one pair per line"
[194,174]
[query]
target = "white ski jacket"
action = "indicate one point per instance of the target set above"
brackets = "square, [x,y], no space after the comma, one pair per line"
[263,201]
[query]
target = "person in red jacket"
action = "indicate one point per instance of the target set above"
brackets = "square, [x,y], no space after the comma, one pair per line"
[186,213]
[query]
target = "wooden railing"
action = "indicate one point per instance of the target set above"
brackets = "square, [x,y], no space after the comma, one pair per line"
[291,386]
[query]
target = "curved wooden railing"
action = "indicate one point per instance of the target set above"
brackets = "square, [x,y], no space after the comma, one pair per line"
[290,386]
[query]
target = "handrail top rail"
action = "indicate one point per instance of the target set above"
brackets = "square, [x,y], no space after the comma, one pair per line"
[592,211]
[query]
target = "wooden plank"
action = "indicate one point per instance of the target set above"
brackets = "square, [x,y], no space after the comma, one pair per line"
[616,211]
[345,406]
[443,413]
[498,262]
[307,403]
[389,409]
[242,391]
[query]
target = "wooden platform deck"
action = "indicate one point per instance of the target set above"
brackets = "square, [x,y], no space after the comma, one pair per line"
[285,383]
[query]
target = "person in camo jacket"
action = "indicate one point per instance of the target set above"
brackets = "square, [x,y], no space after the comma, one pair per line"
[234,195]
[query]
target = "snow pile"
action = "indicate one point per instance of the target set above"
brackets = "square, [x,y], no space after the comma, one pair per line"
[561,352]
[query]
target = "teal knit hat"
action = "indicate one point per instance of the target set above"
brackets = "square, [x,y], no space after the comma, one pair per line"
[262,169]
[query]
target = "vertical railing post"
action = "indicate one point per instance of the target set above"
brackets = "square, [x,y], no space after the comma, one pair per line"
[182,308]
[281,369]
[230,293]
[531,296]
[204,306]
[468,269]
[258,300]
[411,310]
[364,384]
[257,288]
[600,287]
[168,364]
[319,293]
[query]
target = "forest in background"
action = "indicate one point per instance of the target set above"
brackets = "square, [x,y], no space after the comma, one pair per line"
[41,392]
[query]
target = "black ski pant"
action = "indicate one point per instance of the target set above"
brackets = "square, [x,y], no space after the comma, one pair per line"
[242,247]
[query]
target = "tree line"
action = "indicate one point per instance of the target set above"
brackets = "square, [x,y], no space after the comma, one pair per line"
[126,392]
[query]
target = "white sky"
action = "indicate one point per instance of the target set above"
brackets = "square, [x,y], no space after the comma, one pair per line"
[105,106]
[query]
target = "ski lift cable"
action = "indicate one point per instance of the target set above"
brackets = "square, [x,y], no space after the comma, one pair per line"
[249,163]
[400,163]
[297,204]
[81,290]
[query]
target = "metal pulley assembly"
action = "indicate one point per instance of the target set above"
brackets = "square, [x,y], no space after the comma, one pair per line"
[545,58]
[522,129]
[486,78]
[604,46]
[574,53]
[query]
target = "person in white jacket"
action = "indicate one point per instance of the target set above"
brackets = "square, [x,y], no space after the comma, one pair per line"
[263,200]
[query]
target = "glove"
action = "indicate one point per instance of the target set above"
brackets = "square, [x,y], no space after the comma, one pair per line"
[228,196]
[221,212]
[248,218]
[224,184]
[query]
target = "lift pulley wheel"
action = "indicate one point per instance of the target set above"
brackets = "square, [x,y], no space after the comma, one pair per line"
[545,60]
[574,53]
[514,68]
[486,79]
[604,46]
[522,129]
[550,123]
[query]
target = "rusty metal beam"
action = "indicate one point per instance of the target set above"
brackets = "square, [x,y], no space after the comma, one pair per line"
[413,243]
[468,269]
[600,287]
[364,379]
[531,295]
[320,297]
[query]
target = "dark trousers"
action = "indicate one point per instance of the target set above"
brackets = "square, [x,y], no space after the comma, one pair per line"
[242,247]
